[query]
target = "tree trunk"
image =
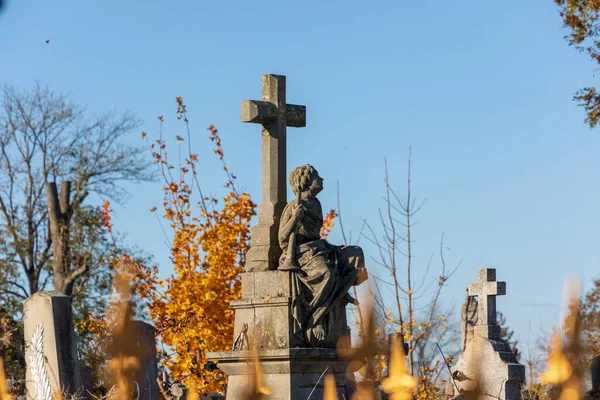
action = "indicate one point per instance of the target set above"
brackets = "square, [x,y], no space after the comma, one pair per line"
[59,215]
[33,278]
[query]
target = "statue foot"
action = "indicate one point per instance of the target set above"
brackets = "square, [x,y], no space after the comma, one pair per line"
[318,332]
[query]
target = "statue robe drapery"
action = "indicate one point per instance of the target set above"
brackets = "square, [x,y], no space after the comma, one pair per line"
[326,273]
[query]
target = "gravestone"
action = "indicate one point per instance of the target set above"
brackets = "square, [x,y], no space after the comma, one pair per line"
[146,376]
[50,346]
[595,372]
[488,360]
[270,309]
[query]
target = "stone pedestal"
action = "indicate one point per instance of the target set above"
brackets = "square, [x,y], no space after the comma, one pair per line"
[50,346]
[488,360]
[291,370]
[266,307]
[491,363]
[291,374]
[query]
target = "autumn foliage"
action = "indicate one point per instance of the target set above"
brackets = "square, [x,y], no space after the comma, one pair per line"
[328,223]
[209,238]
[580,17]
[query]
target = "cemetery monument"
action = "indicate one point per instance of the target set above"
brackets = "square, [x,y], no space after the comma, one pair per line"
[295,288]
[487,359]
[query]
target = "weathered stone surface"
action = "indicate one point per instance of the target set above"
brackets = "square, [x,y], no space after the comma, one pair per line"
[492,364]
[290,370]
[266,308]
[488,360]
[486,289]
[467,321]
[275,116]
[290,373]
[50,345]
[146,351]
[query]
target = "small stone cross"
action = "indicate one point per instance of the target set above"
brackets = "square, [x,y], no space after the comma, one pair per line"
[275,116]
[486,289]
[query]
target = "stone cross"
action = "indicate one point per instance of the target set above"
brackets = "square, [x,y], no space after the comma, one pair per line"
[275,116]
[488,363]
[486,289]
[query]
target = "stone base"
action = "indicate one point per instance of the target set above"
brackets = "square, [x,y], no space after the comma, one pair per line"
[291,374]
[266,307]
[264,253]
[493,365]
[290,370]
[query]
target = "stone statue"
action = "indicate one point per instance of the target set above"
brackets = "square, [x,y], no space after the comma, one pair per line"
[322,273]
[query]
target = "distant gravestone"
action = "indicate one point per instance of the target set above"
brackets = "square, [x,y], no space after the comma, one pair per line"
[146,376]
[50,347]
[596,373]
[488,360]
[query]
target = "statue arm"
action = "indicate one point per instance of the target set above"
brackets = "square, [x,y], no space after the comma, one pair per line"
[320,211]
[286,225]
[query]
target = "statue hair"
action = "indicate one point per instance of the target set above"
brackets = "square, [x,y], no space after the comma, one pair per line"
[301,178]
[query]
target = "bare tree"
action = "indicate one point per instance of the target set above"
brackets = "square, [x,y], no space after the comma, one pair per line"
[535,357]
[45,140]
[399,300]
[396,305]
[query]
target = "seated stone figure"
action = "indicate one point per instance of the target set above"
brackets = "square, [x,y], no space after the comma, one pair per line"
[323,273]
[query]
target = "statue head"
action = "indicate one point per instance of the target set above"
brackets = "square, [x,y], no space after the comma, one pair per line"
[304,179]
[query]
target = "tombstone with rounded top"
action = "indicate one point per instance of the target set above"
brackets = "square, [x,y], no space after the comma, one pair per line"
[50,346]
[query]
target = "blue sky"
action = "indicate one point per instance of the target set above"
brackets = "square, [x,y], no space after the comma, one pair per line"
[481,90]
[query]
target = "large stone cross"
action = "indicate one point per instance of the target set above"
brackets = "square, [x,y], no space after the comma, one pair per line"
[486,289]
[275,116]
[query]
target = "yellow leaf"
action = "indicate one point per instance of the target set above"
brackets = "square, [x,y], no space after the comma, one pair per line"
[4,393]
[399,384]
[559,369]
[330,390]
[258,387]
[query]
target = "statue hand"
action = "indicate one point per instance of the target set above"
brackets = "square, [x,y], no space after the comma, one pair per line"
[298,213]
